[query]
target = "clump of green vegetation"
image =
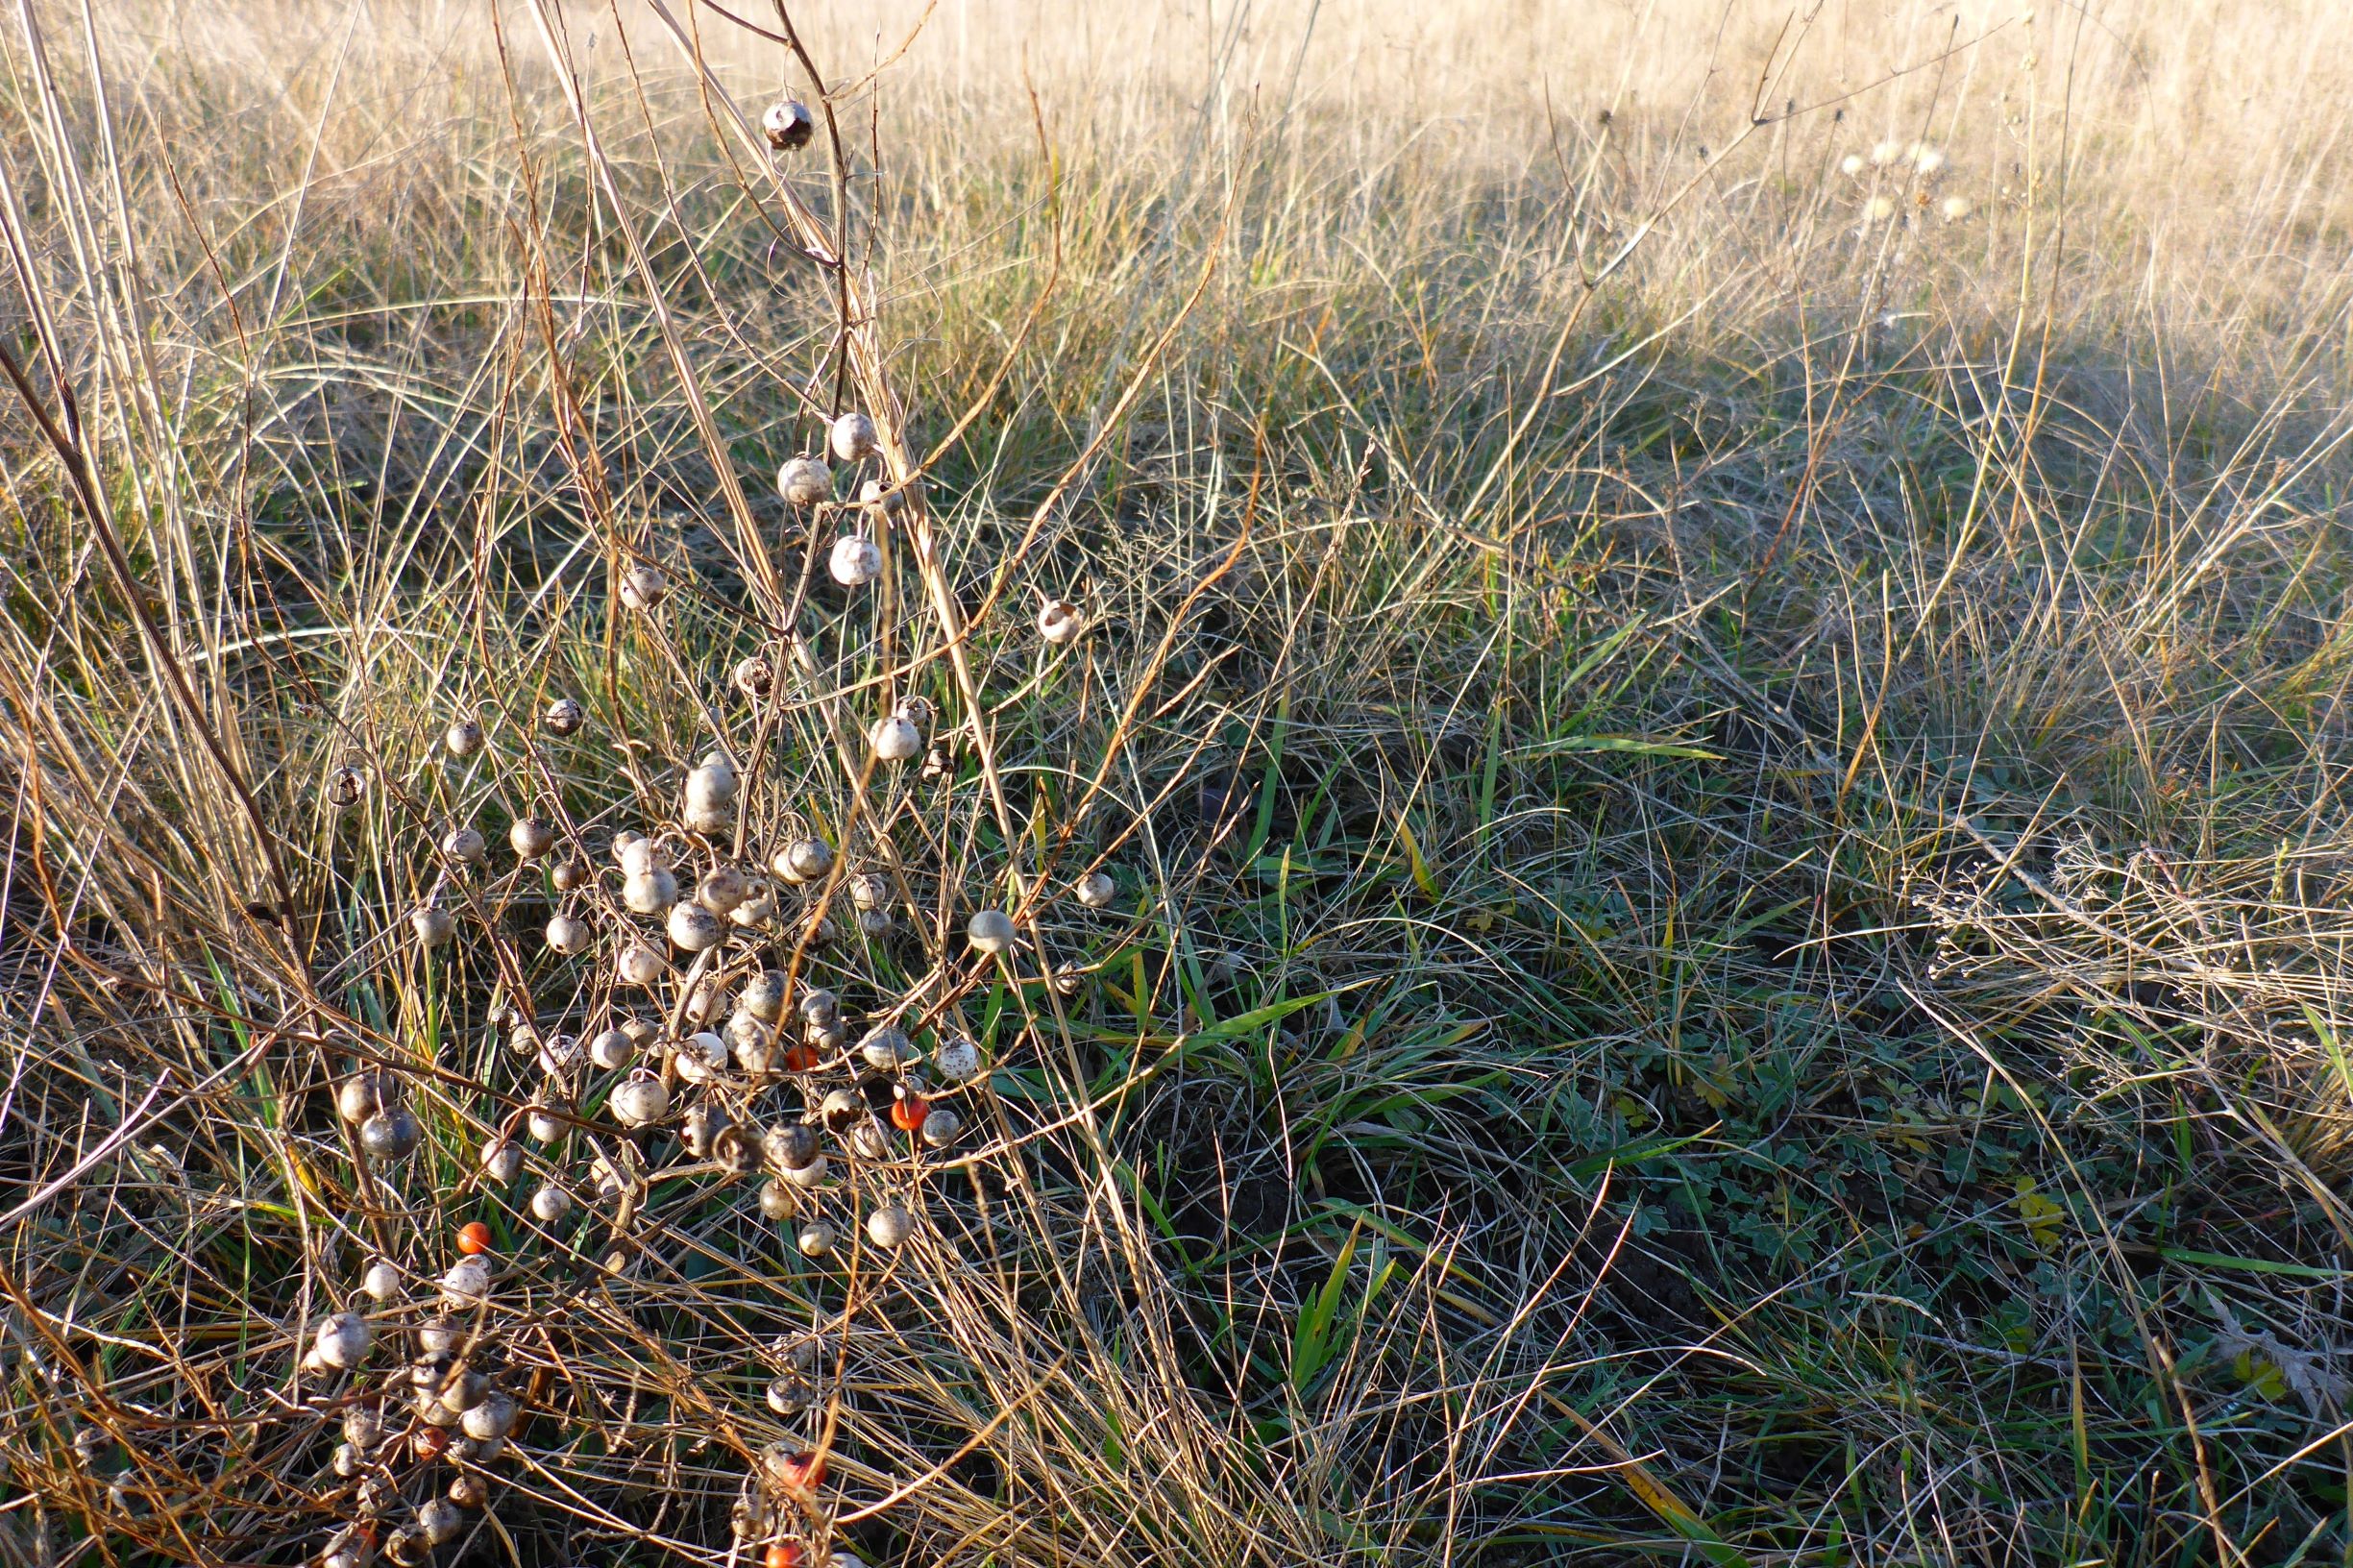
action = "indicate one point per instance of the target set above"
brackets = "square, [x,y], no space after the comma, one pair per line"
[1079,822]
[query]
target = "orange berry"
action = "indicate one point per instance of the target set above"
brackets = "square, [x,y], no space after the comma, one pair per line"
[907,1114]
[802,1059]
[784,1555]
[475,1238]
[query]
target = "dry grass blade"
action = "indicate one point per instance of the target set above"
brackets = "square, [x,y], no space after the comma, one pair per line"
[1558,787]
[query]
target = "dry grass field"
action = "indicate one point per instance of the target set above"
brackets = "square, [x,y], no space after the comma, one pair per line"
[1655,692]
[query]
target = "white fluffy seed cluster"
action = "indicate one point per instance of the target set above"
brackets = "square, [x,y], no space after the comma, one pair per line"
[1892,165]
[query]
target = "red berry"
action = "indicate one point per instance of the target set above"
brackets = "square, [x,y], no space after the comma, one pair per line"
[802,1059]
[784,1555]
[475,1238]
[804,1470]
[907,1114]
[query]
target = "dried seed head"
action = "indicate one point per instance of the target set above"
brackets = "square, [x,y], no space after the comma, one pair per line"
[390,1134]
[857,560]
[705,1120]
[754,1044]
[640,1100]
[345,786]
[790,1145]
[1096,890]
[1884,152]
[546,1123]
[467,1281]
[568,934]
[558,1054]
[1060,622]
[869,1141]
[805,481]
[550,1205]
[712,781]
[897,739]
[887,1048]
[612,1051]
[493,1417]
[473,1451]
[853,438]
[707,1001]
[531,837]
[1878,209]
[347,1462]
[755,677]
[956,1057]
[439,1520]
[732,1151]
[788,125]
[747,1029]
[1955,208]
[764,995]
[361,1095]
[991,931]
[649,893]
[463,737]
[889,1226]
[701,1057]
[564,717]
[462,1389]
[503,1159]
[1851,165]
[1927,162]
[643,586]
[434,925]
[804,860]
[722,888]
[1068,980]
[464,845]
[342,1340]
[362,1427]
[694,928]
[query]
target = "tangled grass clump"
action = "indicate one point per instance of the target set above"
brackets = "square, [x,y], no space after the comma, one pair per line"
[626,1053]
